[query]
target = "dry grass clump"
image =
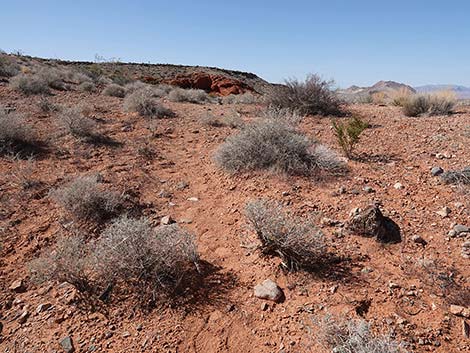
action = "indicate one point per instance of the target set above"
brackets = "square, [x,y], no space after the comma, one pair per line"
[69,261]
[232,120]
[400,97]
[188,95]
[85,198]
[78,125]
[114,90]
[441,103]
[8,67]
[353,336]
[274,145]
[312,96]
[46,106]
[135,86]
[131,252]
[298,242]
[143,102]
[285,115]
[16,136]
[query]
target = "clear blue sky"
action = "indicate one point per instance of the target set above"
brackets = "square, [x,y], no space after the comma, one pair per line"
[353,42]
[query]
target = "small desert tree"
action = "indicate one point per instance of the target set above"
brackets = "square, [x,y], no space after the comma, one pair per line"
[348,133]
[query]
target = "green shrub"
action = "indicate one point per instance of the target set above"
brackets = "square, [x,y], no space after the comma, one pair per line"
[348,133]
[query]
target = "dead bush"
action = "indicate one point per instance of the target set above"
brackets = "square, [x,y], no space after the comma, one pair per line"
[313,96]
[353,336]
[16,135]
[47,106]
[284,115]
[85,198]
[151,260]
[143,102]
[273,145]
[188,95]
[135,86]
[78,125]
[114,90]
[298,242]
[69,261]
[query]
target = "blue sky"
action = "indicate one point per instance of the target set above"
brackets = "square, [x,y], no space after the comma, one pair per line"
[353,42]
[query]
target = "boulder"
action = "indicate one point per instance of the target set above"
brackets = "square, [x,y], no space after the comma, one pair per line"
[269,290]
[372,223]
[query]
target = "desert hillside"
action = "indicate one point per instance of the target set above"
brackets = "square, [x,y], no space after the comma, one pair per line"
[138,216]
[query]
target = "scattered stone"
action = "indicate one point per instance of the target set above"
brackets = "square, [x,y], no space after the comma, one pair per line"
[465,329]
[372,223]
[1,327]
[139,327]
[333,289]
[166,220]
[269,290]
[23,317]
[285,193]
[17,286]
[460,228]
[342,190]
[466,250]
[43,307]
[329,222]
[193,199]
[67,344]
[368,189]
[398,186]
[393,285]
[444,212]
[459,311]
[264,306]
[126,334]
[436,171]
[419,240]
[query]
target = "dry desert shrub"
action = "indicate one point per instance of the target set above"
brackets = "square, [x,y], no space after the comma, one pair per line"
[78,125]
[134,86]
[87,86]
[131,252]
[30,84]
[400,97]
[69,261]
[245,98]
[188,95]
[114,90]
[313,96]
[143,102]
[8,67]
[232,120]
[457,177]
[16,136]
[274,145]
[353,336]
[286,115]
[441,103]
[299,243]
[85,198]
[46,106]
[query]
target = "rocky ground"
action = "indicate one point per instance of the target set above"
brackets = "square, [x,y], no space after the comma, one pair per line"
[416,290]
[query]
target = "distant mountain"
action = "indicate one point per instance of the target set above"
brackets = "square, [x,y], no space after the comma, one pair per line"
[462,92]
[357,94]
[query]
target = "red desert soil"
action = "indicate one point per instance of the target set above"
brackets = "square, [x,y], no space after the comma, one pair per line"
[223,315]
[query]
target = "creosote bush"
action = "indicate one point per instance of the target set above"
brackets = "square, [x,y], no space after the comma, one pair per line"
[298,242]
[87,87]
[30,84]
[441,103]
[131,252]
[231,120]
[188,95]
[313,96]
[114,90]
[274,145]
[16,136]
[348,133]
[85,198]
[143,102]
[353,336]
[8,67]
[461,177]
